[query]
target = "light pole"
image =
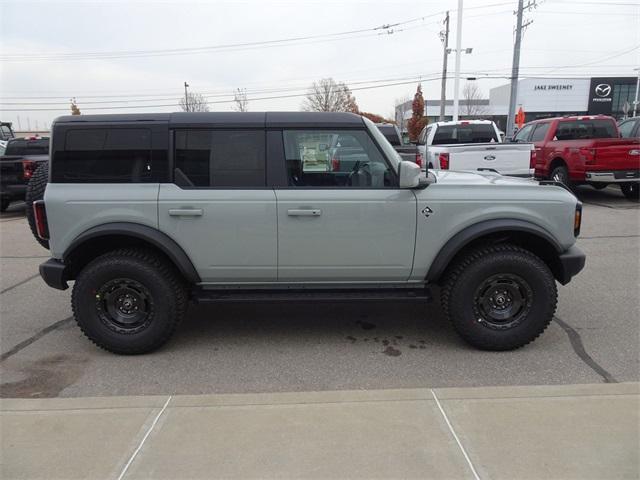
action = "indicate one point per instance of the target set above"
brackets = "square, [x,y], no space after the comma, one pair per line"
[186,97]
[456,83]
[635,102]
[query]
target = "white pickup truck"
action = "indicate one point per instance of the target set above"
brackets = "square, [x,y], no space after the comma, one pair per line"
[474,145]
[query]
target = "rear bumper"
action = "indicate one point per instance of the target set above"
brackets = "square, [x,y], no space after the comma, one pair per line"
[613,176]
[572,262]
[55,274]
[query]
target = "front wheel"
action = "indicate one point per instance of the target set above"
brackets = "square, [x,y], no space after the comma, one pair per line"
[128,301]
[560,174]
[499,297]
[5,202]
[630,190]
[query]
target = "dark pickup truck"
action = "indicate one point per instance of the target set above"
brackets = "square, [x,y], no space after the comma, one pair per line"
[409,152]
[19,160]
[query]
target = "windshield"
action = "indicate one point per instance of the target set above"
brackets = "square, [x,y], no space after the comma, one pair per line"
[387,148]
[465,133]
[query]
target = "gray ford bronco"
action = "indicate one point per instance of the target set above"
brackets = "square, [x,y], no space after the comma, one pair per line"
[148,212]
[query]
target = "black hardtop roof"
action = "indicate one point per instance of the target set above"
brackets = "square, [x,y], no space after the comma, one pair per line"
[226,119]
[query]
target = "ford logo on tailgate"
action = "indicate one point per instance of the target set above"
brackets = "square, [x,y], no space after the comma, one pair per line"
[489,158]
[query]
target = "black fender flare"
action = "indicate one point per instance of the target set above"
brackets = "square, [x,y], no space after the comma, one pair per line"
[155,237]
[461,239]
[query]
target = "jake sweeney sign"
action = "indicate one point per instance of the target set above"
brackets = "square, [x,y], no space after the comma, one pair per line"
[551,86]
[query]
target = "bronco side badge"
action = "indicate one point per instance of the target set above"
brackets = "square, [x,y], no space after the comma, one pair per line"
[426,211]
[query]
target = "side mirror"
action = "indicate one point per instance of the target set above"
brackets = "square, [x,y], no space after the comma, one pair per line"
[409,174]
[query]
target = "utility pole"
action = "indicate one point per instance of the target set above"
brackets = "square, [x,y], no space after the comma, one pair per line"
[515,66]
[456,85]
[186,97]
[635,102]
[445,40]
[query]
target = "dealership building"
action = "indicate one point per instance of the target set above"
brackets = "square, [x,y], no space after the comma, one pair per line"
[543,98]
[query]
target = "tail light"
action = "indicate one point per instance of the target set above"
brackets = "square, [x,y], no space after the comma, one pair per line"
[335,163]
[28,168]
[40,216]
[443,158]
[532,159]
[419,160]
[589,155]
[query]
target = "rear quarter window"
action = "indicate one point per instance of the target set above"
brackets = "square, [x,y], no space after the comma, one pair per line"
[109,155]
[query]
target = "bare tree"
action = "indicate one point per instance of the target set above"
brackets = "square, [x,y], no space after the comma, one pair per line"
[327,95]
[471,107]
[195,102]
[240,102]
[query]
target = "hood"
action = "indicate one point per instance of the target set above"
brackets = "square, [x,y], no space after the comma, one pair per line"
[463,177]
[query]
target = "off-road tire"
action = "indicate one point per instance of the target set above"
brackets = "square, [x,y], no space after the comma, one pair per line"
[467,275]
[561,174]
[4,204]
[167,300]
[631,191]
[35,191]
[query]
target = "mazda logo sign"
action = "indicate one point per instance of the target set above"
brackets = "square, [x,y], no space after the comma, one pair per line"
[603,90]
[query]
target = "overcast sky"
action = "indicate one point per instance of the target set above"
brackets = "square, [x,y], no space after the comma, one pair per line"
[594,38]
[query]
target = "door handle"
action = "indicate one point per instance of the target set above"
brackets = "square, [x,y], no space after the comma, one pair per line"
[306,212]
[185,212]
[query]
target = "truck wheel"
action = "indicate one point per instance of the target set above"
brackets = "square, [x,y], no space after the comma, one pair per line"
[128,301]
[35,191]
[4,204]
[499,297]
[599,186]
[560,174]
[631,190]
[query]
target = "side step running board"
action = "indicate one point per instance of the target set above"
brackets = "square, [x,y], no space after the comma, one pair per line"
[304,295]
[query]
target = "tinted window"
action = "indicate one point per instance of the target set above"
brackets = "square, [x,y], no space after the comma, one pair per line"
[221,158]
[523,134]
[465,133]
[5,132]
[28,147]
[352,161]
[540,132]
[115,155]
[626,128]
[391,134]
[585,129]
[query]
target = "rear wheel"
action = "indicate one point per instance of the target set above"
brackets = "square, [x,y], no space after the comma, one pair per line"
[630,190]
[599,186]
[499,297]
[128,301]
[35,191]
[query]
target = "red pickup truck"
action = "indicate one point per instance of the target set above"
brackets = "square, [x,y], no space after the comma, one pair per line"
[584,150]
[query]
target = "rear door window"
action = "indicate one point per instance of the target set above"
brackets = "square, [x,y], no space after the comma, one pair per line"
[585,129]
[220,158]
[465,133]
[107,155]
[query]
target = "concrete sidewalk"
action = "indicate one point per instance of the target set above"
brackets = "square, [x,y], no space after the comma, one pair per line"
[582,431]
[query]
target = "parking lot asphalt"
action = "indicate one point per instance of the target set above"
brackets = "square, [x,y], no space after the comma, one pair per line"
[247,348]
